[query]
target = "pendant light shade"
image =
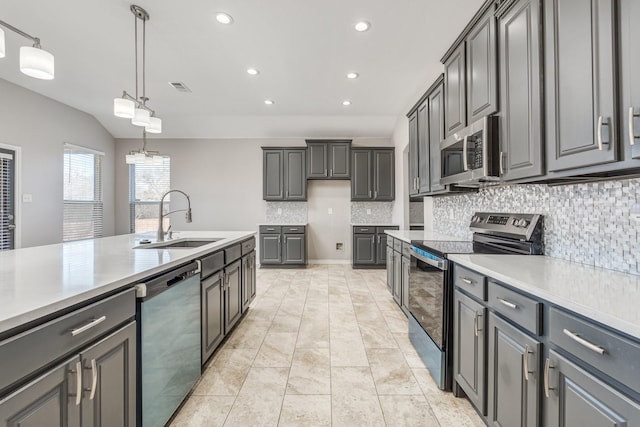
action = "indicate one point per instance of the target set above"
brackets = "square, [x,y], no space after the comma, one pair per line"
[123,108]
[37,63]
[2,52]
[154,126]
[130,159]
[141,117]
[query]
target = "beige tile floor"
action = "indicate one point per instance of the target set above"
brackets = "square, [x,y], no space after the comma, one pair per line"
[323,346]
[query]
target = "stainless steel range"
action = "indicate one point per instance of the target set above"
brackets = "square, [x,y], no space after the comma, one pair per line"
[431,281]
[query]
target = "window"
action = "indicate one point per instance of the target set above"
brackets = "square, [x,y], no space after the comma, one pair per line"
[83,210]
[147,184]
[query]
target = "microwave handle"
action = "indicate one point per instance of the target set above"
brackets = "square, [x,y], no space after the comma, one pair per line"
[465,162]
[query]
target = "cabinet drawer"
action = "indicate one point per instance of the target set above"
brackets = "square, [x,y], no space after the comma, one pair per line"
[270,229]
[522,310]
[406,249]
[390,241]
[381,230]
[470,281]
[233,253]
[620,358]
[248,246]
[397,245]
[293,230]
[364,230]
[212,263]
[31,350]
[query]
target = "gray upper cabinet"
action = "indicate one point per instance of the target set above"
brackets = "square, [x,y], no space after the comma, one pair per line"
[436,134]
[423,183]
[521,125]
[580,83]
[630,84]
[329,159]
[284,174]
[482,66]
[414,154]
[455,91]
[373,174]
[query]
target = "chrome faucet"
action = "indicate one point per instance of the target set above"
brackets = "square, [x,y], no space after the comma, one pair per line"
[160,235]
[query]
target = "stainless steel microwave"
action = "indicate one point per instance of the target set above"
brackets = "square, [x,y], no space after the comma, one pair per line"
[471,156]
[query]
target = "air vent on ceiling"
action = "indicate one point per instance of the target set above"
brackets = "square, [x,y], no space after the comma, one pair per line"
[180,87]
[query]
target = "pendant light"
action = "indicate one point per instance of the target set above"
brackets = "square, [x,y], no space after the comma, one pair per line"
[144,156]
[34,61]
[135,108]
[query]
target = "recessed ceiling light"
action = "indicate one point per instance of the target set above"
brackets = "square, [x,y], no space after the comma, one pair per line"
[224,18]
[346,103]
[269,102]
[353,76]
[253,71]
[362,26]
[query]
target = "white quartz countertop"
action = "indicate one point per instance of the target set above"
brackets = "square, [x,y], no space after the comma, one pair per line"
[284,224]
[606,296]
[409,235]
[38,281]
[372,224]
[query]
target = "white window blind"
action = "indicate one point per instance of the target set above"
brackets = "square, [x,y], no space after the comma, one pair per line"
[83,210]
[6,200]
[147,184]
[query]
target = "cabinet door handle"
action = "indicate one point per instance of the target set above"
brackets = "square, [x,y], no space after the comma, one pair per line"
[476,324]
[325,173]
[632,129]
[369,193]
[502,163]
[591,346]
[507,303]
[467,281]
[375,194]
[88,326]
[94,379]
[601,122]
[547,367]
[78,372]
[330,172]
[465,162]
[525,362]
[287,194]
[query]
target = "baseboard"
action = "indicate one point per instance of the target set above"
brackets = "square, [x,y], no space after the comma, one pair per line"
[330,261]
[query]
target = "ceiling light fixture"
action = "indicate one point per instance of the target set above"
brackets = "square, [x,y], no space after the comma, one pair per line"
[224,18]
[346,103]
[269,102]
[253,71]
[353,76]
[135,108]
[144,156]
[362,26]
[34,61]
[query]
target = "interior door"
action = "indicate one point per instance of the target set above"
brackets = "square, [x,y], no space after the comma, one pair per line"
[7,199]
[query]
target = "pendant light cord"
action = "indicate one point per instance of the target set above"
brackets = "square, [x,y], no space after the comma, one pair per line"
[135,17]
[144,62]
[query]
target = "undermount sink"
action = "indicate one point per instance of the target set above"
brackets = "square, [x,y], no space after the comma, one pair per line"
[178,243]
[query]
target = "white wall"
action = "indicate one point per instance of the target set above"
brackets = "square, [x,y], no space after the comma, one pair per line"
[40,126]
[401,142]
[325,230]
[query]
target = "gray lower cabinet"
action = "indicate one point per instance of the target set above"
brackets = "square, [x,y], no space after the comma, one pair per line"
[364,249]
[390,276]
[283,245]
[397,278]
[329,159]
[578,398]
[95,388]
[284,174]
[513,376]
[381,247]
[406,266]
[580,83]
[373,174]
[469,364]
[369,246]
[213,303]
[248,279]
[232,280]
[521,119]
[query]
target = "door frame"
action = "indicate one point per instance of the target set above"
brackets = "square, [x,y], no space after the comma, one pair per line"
[17,191]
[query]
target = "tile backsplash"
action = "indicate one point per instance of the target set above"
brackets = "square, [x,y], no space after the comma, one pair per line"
[381,212]
[416,212]
[586,223]
[285,212]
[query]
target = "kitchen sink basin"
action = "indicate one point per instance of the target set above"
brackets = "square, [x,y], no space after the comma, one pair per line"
[178,243]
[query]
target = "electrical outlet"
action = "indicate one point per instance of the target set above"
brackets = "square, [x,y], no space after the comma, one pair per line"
[279,211]
[635,212]
[330,211]
[368,211]
[27,198]
[339,246]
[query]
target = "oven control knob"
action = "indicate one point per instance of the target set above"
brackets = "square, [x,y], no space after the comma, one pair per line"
[521,223]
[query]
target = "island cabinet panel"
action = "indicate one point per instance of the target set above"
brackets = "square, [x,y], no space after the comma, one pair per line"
[212,314]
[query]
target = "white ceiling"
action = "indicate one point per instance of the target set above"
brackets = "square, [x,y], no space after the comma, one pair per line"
[303,49]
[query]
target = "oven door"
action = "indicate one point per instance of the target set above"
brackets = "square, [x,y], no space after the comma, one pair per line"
[427,293]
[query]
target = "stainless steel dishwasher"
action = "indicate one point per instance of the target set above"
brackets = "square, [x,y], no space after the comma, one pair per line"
[168,311]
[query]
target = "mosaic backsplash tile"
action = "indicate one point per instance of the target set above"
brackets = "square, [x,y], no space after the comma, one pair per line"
[416,212]
[290,212]
[586,223]
[380,212]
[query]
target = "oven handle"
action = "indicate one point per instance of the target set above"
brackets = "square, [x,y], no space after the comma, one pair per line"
[438,262]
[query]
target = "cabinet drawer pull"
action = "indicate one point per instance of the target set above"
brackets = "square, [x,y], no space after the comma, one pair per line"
[632,129]
[547,367]
[271,229]
[94,379]
[465,162]
[577,338]
[94,322]
[293,229]
[467,281]
[507,303]
[525,362]
[601,122]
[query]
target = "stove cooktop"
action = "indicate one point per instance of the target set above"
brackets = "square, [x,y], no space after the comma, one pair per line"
[443,248]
